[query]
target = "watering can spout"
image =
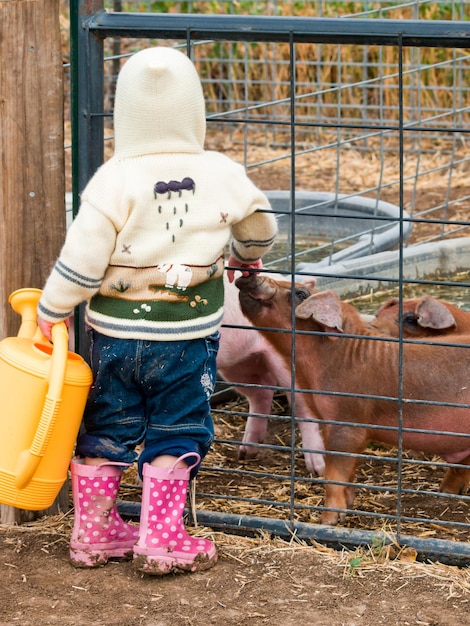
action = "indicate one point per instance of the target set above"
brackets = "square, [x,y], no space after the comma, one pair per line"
[28,460]
[25,302]
[26,467]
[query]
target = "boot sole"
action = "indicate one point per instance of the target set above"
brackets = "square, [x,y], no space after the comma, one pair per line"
[167,564]
[86,558]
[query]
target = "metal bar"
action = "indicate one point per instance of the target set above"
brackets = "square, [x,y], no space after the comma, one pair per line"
[87,91]
[444,551]
[87,125]
[433,33]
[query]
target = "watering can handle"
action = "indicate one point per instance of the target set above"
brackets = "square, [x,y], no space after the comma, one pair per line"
[29,460]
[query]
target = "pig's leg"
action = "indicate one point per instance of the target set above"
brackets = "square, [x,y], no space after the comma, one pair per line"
[311,438]
[341,469]
[456,480]
[240,363]
[338,496]
[259,401]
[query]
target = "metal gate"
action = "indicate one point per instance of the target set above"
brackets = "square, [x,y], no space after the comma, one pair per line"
[368,111]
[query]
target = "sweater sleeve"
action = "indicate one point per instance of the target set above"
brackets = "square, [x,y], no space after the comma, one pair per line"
[254,235]
[79,270]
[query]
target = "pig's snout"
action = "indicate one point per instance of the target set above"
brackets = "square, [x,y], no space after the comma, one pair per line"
[255,294]
[247,283]
[257,287]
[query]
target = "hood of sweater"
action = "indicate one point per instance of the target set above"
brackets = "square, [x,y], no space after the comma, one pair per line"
[159,105]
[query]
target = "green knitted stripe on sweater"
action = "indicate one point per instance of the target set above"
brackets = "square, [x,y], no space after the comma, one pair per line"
[189,304]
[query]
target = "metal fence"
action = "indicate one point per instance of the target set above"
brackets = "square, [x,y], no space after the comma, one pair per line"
[359,109]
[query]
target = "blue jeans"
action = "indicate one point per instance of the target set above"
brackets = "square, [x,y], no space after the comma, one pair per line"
[151,392]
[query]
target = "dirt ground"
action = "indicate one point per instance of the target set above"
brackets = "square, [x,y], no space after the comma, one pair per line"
[257,581]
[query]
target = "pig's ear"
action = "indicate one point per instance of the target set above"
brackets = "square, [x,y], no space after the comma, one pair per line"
[386,305]
[433,313]
[324,308]
[310,282]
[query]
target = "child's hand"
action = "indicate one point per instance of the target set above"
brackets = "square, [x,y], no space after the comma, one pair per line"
[46,327]
[234,262]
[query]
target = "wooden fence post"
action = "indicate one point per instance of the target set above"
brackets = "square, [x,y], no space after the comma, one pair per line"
[32,179]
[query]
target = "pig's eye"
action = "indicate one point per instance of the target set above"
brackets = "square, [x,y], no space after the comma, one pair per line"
[409,319]
[302,294]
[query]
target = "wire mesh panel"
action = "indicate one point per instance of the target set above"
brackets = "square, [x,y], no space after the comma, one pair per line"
[352,126]
[346,98]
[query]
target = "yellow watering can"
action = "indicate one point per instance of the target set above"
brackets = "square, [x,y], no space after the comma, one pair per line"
[43,391]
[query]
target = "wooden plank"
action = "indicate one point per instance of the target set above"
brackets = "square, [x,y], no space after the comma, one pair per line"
[32,180]
[32,189]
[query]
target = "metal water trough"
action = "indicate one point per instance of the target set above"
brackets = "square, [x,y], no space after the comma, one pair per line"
[361,226]
[374,235]
[350,277]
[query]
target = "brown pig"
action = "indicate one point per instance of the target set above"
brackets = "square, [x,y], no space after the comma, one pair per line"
[421,317]
[436,382]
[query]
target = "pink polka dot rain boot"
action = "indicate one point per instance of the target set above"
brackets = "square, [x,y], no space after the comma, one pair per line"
[99,533]
[164,546]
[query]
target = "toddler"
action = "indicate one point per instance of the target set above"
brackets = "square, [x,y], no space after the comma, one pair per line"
[146,254]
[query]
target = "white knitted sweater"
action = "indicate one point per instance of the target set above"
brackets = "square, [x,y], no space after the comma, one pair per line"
[146,250]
